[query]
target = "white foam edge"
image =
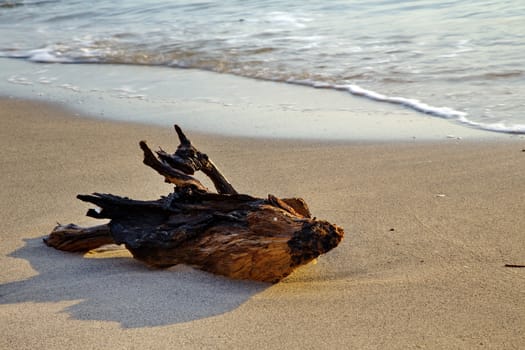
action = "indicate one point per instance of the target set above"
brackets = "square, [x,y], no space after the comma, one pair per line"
[442,112]
[497,127]
[45,55]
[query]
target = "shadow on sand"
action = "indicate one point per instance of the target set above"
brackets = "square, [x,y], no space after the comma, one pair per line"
[124,290]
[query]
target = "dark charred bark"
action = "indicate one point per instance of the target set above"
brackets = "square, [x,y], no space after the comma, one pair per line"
[227,233]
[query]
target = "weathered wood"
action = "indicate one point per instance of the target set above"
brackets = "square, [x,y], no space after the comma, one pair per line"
[226,233]
[190,160]
[171,175]
[73,238]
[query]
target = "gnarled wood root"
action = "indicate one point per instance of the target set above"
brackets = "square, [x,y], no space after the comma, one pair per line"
[226,233]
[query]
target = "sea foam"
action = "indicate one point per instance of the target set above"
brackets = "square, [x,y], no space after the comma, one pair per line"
[47,55]
[416,105]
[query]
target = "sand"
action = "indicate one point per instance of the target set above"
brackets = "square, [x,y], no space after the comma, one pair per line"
[429,229]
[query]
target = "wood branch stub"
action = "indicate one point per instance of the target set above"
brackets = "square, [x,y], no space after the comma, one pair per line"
[73,238]
[174,176]
[190,160]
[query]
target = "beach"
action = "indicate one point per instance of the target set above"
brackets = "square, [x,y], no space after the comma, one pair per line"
[430,226]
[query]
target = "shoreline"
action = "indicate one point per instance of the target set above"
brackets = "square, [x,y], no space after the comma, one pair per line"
[222,104]
[429,228]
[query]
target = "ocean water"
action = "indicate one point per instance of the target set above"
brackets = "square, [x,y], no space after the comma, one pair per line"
[458,60]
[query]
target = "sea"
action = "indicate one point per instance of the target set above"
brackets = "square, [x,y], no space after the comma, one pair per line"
[461,61]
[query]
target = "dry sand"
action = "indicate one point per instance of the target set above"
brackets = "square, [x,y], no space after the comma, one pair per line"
[429,228]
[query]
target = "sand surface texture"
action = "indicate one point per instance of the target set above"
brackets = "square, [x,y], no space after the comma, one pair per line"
[429,229]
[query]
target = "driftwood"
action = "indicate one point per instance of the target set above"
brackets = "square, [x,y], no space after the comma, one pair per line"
[226,233]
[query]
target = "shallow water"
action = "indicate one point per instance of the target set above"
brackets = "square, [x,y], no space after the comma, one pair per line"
[457,60]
